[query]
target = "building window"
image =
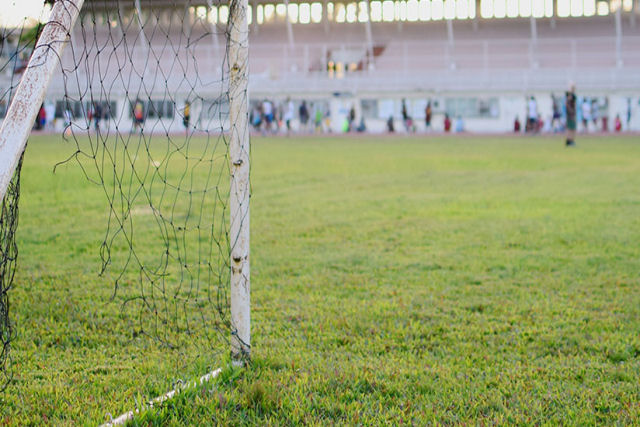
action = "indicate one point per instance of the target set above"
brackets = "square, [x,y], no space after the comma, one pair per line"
[216,109]
[369,108]
[156,109]
[472,107]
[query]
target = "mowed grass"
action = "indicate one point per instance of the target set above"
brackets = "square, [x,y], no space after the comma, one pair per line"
[394,281]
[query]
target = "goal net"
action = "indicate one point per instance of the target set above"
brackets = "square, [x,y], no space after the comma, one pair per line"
[153,96]
[17,42]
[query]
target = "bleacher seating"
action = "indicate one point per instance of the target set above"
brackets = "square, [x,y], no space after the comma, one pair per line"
[483,53]
[582,49]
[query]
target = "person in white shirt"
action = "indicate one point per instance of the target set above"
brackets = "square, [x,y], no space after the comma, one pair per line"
[267,110]
[289,113]
[50,113]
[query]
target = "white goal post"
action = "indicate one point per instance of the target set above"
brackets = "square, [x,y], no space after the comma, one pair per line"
[32,89]
[31,93]
[238,51]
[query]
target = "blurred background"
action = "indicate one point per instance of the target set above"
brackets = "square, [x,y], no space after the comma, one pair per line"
[374,66]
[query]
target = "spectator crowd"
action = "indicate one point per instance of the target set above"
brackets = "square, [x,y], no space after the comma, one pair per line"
[591,115]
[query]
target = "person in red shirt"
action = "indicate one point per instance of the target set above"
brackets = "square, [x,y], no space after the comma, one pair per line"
[516,125]
[618,123]
[447,123]
[42,118]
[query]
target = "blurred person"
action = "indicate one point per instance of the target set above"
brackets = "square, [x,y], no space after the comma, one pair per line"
[352,118]
[303,113]
[97,116]
[346,128]
[427,115]
[447,123]
[267,111]
[406,118]
[68,119]
[390,126]
[578,109]
[556,118]
[362,127]
[90,114]
[617,124]
[586,113]
[41,118]
[605,117]
[563,106]
[532,115]
[106,113]
[50,114]
[459,124]
[327,121]
[317,120]
[595,112]
[546,124]
[186,116]
[571,107]
[405,114]
[605,123]
[138,115]
[289,113]
[256,116]
[277,114]
[628,113]
[516,125]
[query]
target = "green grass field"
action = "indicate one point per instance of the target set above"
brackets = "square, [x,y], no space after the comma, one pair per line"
[422,280]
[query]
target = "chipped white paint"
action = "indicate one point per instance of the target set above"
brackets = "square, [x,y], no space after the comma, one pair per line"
[30,94]
[238,51]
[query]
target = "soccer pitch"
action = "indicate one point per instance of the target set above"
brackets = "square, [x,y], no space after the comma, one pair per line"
[394,280]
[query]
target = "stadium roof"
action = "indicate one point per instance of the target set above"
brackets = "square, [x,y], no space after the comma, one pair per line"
[171,3]
[195,3]
[350,10]
[154,3]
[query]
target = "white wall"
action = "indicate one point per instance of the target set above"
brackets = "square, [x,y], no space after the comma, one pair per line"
[510,106]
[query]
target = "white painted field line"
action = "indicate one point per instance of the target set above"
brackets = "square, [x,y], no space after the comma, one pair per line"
[122,419]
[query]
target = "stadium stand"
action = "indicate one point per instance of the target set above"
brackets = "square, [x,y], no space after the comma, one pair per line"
[343,64]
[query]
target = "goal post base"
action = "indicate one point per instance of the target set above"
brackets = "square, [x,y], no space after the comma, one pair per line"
[158,401]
